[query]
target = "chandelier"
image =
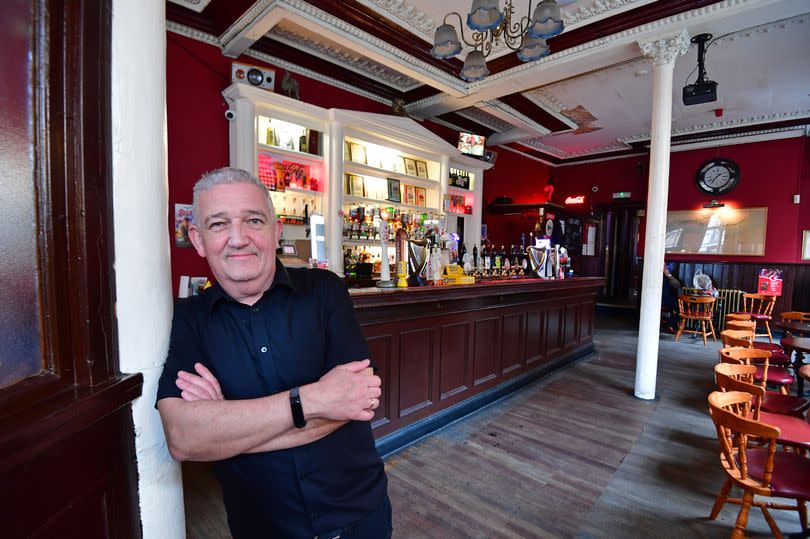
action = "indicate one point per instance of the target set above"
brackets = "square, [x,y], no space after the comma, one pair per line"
[490,25]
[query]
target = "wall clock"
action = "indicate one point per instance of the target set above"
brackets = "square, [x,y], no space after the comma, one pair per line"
[717,177]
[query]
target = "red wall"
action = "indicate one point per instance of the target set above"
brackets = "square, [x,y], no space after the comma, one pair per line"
[771,173]
[521,179]
[198,141]
[196,74]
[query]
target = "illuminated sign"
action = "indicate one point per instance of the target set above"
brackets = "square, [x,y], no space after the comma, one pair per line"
[575,200]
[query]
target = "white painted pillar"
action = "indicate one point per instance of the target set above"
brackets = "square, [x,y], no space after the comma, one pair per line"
[142,270]
[662,53]
[333,220]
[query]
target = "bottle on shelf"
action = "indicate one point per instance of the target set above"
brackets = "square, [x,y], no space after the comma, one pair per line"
[485,253]
[475,256]
[270,137]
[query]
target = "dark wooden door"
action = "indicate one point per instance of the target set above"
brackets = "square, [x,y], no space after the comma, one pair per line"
[620,229]
[67,455]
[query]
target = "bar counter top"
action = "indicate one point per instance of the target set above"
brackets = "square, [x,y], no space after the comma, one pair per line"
[444,351]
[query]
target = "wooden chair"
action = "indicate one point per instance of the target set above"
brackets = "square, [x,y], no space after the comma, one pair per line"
[795,316]
[778,355]
[741,325]
[758,470]
[742,317]
[765,373]
[700,309]
[736,377]
[759,307]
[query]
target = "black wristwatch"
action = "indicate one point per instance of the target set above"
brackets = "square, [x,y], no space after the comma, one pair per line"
[297,410]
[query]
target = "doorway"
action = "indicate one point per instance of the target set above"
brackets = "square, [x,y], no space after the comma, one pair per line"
[620,226]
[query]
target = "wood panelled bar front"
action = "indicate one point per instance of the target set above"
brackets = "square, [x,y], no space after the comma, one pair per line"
[445,351]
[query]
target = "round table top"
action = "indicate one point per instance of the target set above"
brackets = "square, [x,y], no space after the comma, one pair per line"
[793,326]
[796,343]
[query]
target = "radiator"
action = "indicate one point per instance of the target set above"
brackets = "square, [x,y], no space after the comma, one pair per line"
[728,301]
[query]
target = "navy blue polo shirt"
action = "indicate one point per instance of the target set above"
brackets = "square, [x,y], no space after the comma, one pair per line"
[302,327]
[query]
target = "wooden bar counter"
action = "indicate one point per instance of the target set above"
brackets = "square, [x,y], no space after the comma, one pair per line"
[445,351]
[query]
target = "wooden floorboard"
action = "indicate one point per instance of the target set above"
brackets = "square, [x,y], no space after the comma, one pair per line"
[572,455]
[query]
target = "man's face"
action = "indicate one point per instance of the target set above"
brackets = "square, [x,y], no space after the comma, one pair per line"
[237,235]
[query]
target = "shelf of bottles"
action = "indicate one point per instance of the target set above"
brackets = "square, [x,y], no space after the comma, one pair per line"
[459,198]
[290,163]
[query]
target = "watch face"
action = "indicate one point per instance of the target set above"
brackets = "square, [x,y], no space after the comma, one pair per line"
[717,176]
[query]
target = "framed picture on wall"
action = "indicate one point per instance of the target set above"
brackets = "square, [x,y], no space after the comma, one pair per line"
[410,195]
[410,166]
[421,196]
[358,153]
[421,169]
[393,190]
[354,185]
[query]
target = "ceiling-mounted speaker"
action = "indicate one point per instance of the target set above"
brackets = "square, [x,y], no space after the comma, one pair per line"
[260,77]
[490,156]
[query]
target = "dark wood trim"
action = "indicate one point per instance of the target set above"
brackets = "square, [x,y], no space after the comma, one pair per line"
[466,124]
[61,416]
[366,19]
[422,92]
[528,108]
[66,436]
[393,442]
[438,347]
[518,147]
[299,57]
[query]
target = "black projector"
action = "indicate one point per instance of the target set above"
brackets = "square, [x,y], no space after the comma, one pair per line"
[700,92]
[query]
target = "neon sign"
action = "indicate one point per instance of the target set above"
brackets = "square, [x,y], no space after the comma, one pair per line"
[575,200]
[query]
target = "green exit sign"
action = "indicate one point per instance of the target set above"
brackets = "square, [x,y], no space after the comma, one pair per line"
[621,194]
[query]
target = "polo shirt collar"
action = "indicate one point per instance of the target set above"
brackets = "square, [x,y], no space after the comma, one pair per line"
[281,278]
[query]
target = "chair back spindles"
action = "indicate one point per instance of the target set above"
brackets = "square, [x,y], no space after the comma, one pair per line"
[700,309]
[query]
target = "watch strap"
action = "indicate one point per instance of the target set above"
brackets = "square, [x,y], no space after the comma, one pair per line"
[297,409]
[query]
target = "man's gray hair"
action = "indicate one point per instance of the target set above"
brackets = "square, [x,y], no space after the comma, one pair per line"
[227,175]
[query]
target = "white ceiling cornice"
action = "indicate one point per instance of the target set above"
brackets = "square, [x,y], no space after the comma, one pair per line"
[194,5]
[345,58]
[265,14]
[192,33]
[742,122]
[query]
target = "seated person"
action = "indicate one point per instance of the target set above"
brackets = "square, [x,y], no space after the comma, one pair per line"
[669,301]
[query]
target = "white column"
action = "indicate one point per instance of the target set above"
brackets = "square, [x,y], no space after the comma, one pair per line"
[333,220]
[662,53]
[142,271]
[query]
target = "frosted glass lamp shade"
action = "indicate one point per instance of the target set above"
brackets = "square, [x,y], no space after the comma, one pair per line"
[533,48]
[445,42]
[475,67]
[547,21]
[484,15]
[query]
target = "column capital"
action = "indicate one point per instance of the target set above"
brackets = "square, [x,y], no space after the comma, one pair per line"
[665,50]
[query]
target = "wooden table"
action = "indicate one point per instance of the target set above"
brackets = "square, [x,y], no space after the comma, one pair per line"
[802,329]
[800,345]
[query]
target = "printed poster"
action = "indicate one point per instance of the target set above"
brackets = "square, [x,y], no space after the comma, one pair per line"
[183,218]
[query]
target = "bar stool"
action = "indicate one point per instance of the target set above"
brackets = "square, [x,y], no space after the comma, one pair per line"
[698,308]
[759,307]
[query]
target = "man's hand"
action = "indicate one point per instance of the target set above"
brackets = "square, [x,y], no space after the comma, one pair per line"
[347,392]
[202,386]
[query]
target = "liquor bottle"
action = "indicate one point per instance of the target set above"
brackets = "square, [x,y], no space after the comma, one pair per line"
[462,250]
[497,257]
[486,256]
[271,137]
[303,142]
[515,257]
[475,256]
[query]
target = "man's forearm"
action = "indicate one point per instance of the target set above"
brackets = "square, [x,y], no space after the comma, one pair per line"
[219,429]
[315,430]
